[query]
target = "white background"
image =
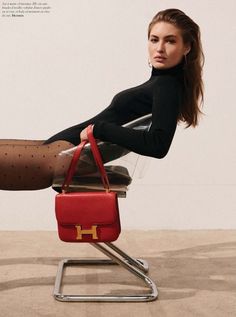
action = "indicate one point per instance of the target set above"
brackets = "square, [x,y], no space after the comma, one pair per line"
[61,68]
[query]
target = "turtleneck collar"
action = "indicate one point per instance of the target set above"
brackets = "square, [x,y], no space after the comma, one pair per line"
[175,70]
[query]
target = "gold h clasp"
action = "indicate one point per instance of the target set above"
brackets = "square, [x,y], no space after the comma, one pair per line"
[80,232]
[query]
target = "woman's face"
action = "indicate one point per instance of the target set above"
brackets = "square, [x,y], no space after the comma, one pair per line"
[165,45]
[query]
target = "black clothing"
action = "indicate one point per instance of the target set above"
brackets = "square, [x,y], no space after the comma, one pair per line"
[161,95]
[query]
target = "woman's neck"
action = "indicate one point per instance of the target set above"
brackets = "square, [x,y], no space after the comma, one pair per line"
[177,69]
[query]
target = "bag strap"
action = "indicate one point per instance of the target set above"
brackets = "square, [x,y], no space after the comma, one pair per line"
[97,158]
[72,167]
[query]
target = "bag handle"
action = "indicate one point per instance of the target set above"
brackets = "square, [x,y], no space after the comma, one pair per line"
[97,158]
[72,167]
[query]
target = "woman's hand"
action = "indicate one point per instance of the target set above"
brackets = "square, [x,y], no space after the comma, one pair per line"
[84,135]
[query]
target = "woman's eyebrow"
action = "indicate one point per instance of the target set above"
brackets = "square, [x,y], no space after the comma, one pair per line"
[167,36]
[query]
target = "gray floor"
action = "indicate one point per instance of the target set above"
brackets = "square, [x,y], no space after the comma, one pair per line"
[195,272]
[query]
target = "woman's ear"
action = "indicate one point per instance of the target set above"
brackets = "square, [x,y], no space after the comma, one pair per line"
[187,49]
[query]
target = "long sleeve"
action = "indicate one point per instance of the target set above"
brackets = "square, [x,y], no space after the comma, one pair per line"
[156,142]
[161,96]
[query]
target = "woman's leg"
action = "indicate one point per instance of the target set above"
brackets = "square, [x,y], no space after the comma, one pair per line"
[20,142]
[29,165]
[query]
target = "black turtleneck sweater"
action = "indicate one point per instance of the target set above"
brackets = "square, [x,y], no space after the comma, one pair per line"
[161,95]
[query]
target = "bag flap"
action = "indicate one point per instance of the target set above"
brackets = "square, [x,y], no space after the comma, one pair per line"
[88,208]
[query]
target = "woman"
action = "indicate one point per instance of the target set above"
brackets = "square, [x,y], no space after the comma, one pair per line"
[174,93]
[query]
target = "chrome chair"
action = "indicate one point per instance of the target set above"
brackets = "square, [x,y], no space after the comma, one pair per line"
[120,179]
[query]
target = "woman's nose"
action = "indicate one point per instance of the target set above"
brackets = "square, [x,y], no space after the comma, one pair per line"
[160,46]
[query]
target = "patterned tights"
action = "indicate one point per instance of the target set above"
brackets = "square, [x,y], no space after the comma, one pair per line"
[29,165]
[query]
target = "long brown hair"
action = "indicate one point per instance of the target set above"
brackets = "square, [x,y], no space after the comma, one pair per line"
[194,61]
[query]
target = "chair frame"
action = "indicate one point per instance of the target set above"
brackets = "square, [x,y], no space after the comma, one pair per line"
[116,256]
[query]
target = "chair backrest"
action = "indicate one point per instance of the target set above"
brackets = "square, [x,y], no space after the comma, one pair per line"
[112,152]
[117,155]
[142,123]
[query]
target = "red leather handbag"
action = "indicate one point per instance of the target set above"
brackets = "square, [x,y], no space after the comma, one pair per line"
[87,216]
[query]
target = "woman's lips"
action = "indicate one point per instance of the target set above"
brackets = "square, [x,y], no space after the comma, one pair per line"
[159,59]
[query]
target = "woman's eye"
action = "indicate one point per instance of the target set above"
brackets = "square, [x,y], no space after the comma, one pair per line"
[171,41]
[153,40]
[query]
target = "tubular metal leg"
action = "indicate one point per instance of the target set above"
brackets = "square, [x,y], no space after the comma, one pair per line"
[136,267]
[138,263]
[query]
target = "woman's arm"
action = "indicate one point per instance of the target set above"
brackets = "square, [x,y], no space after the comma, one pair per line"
[155,142]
